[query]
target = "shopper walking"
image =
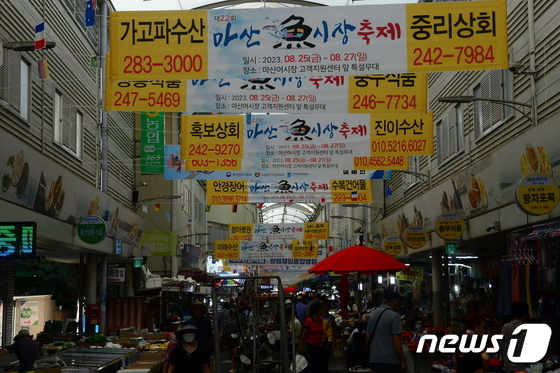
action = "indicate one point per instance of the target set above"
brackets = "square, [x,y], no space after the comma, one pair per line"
[230,333]
[26,349]
[384,329]
[473,362]
[301,309]
[313,339]
[520,314]
[189,356]
[201,320]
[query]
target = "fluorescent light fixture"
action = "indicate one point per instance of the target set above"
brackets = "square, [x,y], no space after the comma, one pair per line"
[379,279]
[392,280]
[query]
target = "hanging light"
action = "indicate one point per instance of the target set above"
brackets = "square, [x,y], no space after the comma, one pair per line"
[379,279]
[392,280]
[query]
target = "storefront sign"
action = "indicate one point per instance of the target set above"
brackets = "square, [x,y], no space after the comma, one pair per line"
[392,245]
[450,225]
[226,192]
[415,236]
[116,274]
[387,93]
[152,142]
[308,41]
[92,229]
[537,194]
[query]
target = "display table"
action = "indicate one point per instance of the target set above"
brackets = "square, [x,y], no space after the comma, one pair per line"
[100,359]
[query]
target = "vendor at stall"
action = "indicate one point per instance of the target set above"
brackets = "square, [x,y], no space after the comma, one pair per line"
[26,349]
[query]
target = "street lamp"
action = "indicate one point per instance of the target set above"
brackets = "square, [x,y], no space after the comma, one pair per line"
[193,234]
[26,46]
[361,221]
[353,205]
[362,225]
[508,103]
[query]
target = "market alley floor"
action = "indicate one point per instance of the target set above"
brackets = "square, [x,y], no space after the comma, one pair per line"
[416,364]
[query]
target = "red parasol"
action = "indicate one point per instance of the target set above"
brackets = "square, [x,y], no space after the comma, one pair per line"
[290,289]
[356,258]
[360,259]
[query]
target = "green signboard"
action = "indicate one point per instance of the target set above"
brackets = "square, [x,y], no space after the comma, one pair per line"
[18,240]
[92,229]
[450,248]
[152,142]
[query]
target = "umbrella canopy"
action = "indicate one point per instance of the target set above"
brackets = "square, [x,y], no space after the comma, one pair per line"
[290,289]
[360,259]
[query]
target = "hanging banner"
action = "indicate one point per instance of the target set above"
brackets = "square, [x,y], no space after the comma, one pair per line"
[227,192]
[175,169]
[389,93]
[289,232]
[305,142]
[308,41]
[159,243]
[152,142]
[254,250]
[275,261]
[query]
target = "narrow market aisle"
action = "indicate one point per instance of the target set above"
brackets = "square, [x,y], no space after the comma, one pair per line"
[416,364]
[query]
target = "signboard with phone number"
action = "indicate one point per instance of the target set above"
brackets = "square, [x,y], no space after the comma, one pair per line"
[317,41]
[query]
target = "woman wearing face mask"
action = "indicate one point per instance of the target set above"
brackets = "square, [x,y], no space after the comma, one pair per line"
[188,357]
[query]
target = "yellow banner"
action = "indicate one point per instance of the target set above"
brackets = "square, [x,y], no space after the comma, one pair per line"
[316,231]
[404,134]
[351,191]
[146,95]
[212,136]
[227,249]
[304,249]
[467,35]
[227,192]
[382,162]
[394,93]
[163,45]
[228,164]
[240,232]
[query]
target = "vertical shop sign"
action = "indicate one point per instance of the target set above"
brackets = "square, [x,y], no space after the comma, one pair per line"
[152,142]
